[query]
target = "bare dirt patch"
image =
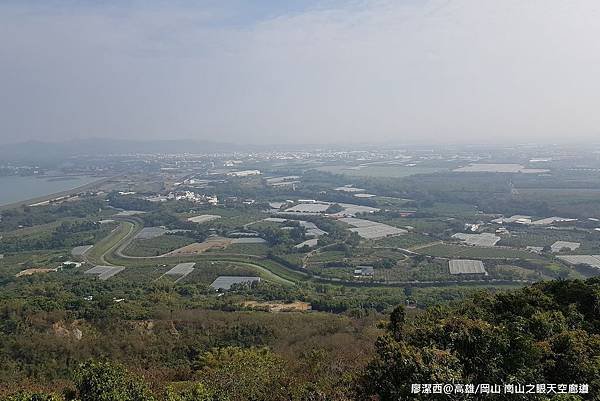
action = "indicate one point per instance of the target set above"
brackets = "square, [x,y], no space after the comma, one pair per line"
[29,272]
[278,306]
[200,247]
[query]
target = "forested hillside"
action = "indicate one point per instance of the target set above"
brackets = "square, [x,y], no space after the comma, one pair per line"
[548,333]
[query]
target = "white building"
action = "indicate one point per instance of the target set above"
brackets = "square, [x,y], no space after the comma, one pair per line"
[243,173]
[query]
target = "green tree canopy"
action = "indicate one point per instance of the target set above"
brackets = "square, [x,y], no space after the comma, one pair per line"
[547,333]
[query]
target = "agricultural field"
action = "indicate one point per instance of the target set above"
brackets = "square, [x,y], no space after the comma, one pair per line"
[404,241]
[148,273]
[372,230]
[64,233]
[246,249]
[207,271]
[421,225]
[462,251]
[336,273]
[411,271]
[390,202]
[453,210]
[231,218]
[590,242]
[197,248]
[498,168]
[365,255]
[511,272]
[391,171]
[328,257]
[156,246]
[11,264]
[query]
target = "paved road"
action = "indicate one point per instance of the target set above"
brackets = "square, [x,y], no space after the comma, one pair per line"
[134,226]
[116,232]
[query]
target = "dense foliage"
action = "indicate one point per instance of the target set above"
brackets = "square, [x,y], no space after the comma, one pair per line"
[129,202]
[547,333]
[28,216]
[67,234]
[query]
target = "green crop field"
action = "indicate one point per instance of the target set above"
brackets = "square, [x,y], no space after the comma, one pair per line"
[156,246]
[11,264]
[430,271]
[460,251]
[246,249]
[327,256]
[403,241]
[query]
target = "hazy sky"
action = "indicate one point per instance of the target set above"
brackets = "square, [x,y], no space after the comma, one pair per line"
[301,71]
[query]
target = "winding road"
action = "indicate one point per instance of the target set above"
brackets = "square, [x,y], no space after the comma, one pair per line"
[109,252]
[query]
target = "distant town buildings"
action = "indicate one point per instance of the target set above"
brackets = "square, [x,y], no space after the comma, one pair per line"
[243,173]
[185,195]
[528,220]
